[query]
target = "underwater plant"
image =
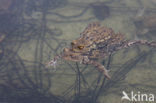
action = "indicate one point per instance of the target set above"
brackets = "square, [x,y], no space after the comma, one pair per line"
[1,39]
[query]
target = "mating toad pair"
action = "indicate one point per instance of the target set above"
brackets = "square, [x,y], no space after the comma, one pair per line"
[96,42]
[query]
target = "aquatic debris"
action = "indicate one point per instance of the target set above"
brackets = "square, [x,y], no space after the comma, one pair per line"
[100,10]
[96,42]
[145,23]
[5,4]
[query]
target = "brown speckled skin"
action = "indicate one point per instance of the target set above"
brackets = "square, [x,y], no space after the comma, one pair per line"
[94,43]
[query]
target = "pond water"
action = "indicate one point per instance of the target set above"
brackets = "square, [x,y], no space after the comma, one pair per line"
[33,32]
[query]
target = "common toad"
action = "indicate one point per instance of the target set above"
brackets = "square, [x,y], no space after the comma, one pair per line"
[96,42]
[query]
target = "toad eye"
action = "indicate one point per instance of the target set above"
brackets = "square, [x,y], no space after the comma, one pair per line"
[73,42]
[80,47]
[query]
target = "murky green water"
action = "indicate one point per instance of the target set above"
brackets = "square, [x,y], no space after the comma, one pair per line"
[36,30]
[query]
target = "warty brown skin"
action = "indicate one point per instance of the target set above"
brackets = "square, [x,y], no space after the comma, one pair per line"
[96,42]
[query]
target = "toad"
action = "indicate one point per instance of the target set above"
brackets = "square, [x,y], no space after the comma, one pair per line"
[96,42]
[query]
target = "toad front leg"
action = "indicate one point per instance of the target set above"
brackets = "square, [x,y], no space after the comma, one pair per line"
[100,67]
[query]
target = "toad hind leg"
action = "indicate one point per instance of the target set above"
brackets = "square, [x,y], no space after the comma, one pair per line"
[101,68]
[105,71]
